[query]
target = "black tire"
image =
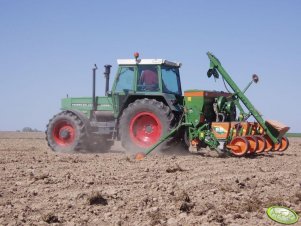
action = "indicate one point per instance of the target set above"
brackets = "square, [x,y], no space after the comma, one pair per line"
[66,132]
[132,118]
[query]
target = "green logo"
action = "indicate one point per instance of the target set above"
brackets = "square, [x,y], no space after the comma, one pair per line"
[282,215]
[219,130]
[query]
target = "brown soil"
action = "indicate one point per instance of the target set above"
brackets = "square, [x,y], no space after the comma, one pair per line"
[40,187]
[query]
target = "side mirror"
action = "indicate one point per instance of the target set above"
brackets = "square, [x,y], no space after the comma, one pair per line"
[255,78]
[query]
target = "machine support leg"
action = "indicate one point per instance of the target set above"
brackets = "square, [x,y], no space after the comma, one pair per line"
[140,156]
[165,137]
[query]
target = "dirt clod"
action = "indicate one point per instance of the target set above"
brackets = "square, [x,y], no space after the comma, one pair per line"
[97,199]
[186,207]
[50,218]
[175,169]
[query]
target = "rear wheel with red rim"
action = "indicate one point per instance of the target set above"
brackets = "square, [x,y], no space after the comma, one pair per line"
[143,123]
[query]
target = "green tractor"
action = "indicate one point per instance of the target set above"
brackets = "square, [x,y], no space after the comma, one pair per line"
[146,111]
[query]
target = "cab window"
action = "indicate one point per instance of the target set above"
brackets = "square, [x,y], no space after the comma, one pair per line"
[125,80]
[171,80]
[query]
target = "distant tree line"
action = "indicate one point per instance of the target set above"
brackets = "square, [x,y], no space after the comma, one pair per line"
[28,129]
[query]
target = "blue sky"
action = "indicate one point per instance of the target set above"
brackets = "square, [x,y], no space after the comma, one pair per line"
[47,50]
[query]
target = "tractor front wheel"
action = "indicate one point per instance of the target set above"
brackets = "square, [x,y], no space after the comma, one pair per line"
[66,132]
[143,123]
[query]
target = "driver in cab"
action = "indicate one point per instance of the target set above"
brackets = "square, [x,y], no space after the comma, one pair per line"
[149,79]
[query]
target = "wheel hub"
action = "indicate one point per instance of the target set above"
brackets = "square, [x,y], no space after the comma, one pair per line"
[149,129]
[64,133]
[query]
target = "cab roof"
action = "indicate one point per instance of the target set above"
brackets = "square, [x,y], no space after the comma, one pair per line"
[147,62]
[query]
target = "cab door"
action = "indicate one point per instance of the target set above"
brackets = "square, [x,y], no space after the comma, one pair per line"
[124,85]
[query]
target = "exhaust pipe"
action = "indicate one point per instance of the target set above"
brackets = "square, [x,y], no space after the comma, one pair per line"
[107,76]
[93,88]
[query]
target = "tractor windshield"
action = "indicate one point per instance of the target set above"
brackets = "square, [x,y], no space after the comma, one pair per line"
[171,80]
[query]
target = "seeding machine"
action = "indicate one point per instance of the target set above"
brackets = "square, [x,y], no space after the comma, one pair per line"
[146,111]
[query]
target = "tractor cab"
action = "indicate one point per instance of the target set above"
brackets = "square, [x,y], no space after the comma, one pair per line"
[147,76]
[141,78]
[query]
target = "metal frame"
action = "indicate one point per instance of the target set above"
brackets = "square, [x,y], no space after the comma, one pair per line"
[216,65]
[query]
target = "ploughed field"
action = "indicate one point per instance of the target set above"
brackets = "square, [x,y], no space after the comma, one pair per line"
[40,187]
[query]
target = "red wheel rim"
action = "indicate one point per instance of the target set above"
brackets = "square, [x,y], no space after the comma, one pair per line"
[63,133]
[145,129]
